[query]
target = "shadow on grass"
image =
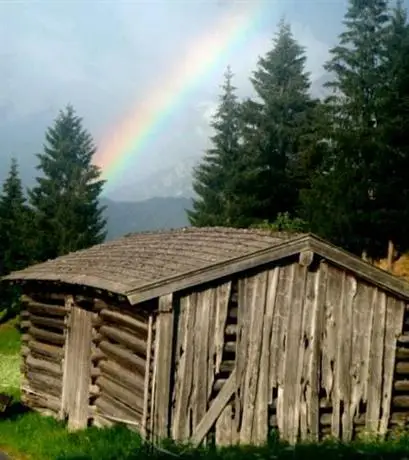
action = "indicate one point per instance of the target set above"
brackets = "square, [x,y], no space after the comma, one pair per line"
[14,411]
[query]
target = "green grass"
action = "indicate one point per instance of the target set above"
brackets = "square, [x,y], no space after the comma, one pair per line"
[28,436]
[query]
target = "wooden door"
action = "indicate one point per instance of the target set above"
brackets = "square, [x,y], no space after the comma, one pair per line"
[77,367]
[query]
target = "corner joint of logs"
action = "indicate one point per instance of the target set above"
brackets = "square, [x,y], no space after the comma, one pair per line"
[306,258]
[166,303]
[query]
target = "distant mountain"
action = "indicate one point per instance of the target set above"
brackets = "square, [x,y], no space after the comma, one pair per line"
[173,181]
[153,214]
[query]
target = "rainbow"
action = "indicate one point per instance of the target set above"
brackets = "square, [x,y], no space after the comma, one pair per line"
[140,127]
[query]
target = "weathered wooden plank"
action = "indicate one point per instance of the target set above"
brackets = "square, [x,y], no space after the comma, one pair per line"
[34,400]
[180,423]
[279,340]
[345,356]
[56,323]
[147,380]
[79,371]
[217,406]
[111,406]
[51,352]
[257,291]
[318,295]
[205,311]
[293,360]
[46,336]
[373,409]
[164,351]
[222,304]
[263,390]
[225,430]
[41,309]
[395,311]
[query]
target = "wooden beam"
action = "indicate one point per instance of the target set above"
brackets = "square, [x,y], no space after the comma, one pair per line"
[216,408]
[374,275]
[306,258]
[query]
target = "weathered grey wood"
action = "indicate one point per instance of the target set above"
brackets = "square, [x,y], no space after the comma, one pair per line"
[163,351]
[77,373]
[126,339]
[180,421]
[139,327]
[40,400]
[147,380]
[376,363]
[42,365]
[129,397]
[217,406]
[51,352]
[46,336]
[123,356]
[56,323]
[110,406]
[133,381]
[257,287]
[395,310]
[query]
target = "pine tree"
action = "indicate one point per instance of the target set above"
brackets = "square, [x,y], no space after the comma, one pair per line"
[216,180]
[341,204]
[274,126]
[16,235]
[392,176]
[66,197]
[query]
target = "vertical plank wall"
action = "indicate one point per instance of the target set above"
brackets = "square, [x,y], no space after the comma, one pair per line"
[330,342]
[309,351]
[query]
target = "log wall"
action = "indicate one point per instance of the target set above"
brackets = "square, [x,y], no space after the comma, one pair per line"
[43,321]
[121,349]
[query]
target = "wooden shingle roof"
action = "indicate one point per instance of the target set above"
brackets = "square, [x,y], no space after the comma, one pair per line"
[144,265]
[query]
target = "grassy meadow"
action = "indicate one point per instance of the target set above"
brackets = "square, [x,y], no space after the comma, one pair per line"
[25,435]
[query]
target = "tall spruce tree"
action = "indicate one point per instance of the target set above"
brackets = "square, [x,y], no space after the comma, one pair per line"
[341,204]
[66,197]
[392,174]
[274,126]
[216,180]
[16,235]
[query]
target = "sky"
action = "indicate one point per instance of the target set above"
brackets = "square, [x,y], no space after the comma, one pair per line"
[105,57]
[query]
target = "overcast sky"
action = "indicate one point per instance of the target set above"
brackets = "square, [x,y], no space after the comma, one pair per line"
[102,56]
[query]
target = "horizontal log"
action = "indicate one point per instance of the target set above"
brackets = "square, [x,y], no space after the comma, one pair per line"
[45,309]
[95,372]
[44,383]
[25,351]
[402,368]
[24,314]
[130,341]
[94,390]
[43,401]
[404,339]
[47,297]
[97,355]
[47,336]
[402,353]
[132,381]
[227,366]
[25,338]
[116,391]
[400,401]
[230,347]
[231,330]
[218,384]
[127,358]
[42,365]
[49,351]
[233,313]
[138,326]
[401,385]
[96,336]
[56,323]
[107,405]
[25,324]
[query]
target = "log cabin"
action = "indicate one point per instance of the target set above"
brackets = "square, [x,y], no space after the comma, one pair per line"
[217,335]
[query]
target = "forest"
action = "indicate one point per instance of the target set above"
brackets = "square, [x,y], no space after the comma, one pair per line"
[283,160]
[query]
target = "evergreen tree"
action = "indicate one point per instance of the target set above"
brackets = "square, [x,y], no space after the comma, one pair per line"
[216,180]
[66,197]
[274,127]
[16,235]
[341,204]
[391,194]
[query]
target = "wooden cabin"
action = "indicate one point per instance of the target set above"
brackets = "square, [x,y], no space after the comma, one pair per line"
[217,335]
